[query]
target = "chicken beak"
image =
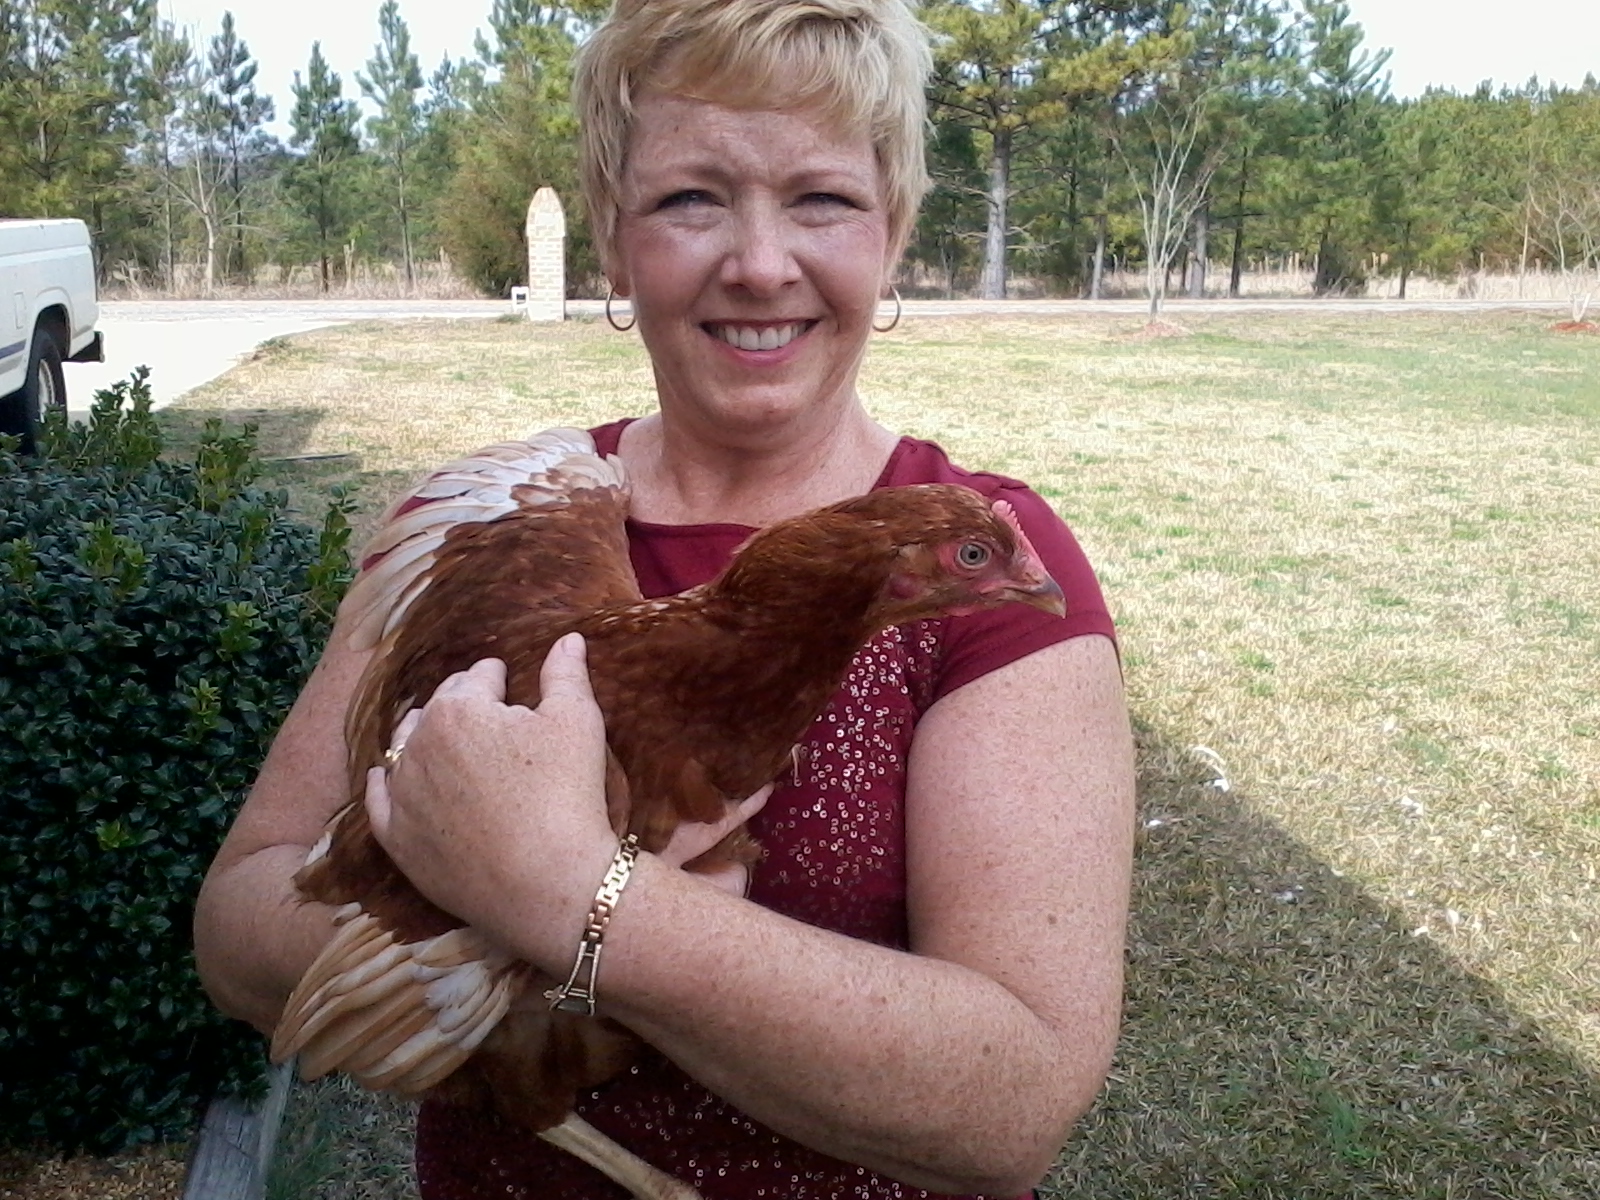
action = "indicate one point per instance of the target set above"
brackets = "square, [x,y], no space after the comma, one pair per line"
[1029,583]
[1045,596]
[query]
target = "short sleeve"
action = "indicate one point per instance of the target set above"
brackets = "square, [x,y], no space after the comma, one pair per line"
[974,645]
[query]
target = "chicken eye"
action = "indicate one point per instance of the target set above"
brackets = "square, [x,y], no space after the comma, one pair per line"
[972,555]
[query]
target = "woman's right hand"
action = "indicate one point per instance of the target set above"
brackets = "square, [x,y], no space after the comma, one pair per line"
[497,812]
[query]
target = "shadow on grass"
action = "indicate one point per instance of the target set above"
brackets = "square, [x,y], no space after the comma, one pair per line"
[1286,1036]
[282,437]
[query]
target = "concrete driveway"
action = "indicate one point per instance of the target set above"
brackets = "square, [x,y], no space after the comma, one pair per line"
[190,342]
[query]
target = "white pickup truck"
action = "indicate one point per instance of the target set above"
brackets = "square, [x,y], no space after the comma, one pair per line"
[48,311]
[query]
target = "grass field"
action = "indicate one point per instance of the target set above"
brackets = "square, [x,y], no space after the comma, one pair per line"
[1356,567]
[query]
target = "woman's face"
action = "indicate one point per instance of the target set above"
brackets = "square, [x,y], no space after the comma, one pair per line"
[754,246]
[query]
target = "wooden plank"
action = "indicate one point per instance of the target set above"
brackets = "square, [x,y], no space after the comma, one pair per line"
[236,1144]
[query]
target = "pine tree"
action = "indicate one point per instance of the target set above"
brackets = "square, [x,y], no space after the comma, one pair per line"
[393,80]
[68,109]
[325,129]
[1341,143]
[519,135]
[241,112]
[168,61]
[1011,69]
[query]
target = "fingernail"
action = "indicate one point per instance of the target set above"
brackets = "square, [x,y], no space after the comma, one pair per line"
[572,646]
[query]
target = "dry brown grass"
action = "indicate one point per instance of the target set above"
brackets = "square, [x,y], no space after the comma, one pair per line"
[1356,568]
[341,1143]
[150,1173]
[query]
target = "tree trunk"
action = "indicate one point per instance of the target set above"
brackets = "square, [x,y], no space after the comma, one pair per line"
[1157,284]
[993,284]
[1097,278]
[1073,217]
[166,203]
[1202,251]
[237,266]
[1236,269]
[322,229]
[1522,266]
[1405,259]
[208,217]
[211,250]
[405,223]
[1322,279]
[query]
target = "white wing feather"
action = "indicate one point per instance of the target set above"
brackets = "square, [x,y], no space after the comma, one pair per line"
[485,486]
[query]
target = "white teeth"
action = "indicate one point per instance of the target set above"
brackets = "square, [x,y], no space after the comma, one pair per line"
[770,338]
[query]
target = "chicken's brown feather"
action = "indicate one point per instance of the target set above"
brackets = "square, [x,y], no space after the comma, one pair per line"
[704,696]
[508,589]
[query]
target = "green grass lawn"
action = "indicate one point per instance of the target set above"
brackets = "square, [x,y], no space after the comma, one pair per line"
[1355,562]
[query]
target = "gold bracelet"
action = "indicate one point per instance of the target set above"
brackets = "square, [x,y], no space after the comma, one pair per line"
[577,994]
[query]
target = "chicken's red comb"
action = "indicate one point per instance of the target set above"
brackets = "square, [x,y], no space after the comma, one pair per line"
[1006,513]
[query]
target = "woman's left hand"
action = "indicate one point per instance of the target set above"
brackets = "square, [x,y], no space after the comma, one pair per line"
[497,812]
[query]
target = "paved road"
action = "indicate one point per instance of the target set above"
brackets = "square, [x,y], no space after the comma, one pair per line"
[188,343]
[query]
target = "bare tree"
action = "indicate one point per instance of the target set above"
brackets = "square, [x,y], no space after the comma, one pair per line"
[1171,177]
[1563,220]
[1175,129]
[199,178]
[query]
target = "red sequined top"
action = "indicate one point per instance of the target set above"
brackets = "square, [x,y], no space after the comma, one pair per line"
[835,857]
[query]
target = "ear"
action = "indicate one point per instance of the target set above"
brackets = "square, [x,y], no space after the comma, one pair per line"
[894,250]
[907,581]
[614,267]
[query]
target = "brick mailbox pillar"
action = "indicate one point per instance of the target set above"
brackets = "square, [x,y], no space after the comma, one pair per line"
[547,257]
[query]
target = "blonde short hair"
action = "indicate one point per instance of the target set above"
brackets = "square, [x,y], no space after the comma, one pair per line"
[860,63]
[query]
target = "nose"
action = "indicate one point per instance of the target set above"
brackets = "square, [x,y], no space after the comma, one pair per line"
[761,258]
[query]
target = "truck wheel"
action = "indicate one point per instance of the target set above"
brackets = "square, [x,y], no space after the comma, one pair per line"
[46,388]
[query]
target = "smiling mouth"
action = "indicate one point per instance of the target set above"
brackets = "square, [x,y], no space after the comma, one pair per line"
[762,337]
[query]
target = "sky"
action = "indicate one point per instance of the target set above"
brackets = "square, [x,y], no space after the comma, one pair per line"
[1450,43]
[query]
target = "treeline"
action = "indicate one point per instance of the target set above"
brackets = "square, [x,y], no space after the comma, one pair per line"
[1067,138]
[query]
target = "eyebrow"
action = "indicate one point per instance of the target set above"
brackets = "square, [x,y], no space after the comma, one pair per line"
[812,179]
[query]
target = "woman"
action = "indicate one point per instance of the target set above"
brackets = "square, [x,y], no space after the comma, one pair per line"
[922,989]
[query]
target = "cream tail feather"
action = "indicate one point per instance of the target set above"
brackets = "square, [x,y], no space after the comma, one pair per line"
[395,1016]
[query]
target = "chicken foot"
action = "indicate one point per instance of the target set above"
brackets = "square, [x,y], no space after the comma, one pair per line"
[577,1137]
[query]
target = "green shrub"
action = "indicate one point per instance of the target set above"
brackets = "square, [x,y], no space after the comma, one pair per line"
[156,621]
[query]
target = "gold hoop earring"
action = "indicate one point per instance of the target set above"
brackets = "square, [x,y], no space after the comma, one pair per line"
[898,309]
[612,320]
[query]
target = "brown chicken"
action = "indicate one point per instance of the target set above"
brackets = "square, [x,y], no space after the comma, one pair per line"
[705,694]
